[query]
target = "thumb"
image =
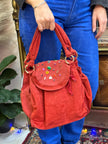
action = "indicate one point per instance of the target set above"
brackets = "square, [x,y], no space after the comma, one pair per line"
[94,23]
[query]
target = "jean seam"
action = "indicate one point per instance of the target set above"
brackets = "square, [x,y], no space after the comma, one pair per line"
[72,8]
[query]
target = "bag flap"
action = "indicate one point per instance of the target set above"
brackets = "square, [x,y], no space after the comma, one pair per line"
[51,75]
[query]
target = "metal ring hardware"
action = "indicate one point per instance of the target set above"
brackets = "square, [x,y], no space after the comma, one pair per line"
[28,71]
[73,59]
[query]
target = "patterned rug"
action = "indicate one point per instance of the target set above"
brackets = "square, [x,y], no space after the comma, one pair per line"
[32,138]
[89,135]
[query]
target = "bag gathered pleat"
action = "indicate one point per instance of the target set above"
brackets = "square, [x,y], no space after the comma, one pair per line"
[56,92]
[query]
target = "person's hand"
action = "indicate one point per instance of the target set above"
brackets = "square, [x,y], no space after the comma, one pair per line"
[100,15]
[44,17]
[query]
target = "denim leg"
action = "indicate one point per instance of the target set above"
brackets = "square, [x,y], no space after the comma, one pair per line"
[84,42]
[50,136]
[79,31]
[70,133]
[87,49]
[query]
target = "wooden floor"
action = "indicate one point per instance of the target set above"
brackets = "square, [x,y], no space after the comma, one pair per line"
[97,118]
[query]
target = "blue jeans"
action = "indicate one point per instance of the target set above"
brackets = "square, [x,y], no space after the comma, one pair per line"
[75,17]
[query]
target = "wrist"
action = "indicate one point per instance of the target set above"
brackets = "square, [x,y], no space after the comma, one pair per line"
[34,3]
[41,3]
[99,6]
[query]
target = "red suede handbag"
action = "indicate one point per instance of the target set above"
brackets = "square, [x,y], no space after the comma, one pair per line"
[56,92]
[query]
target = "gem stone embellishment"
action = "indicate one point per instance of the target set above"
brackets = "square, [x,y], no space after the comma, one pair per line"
[48,67]
[44,78]
[47,72]
[50,77]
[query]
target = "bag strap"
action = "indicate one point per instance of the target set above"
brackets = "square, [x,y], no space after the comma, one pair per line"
[34,47]
[65,41]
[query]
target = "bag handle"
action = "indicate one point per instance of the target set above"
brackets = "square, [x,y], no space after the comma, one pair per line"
[34,47]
